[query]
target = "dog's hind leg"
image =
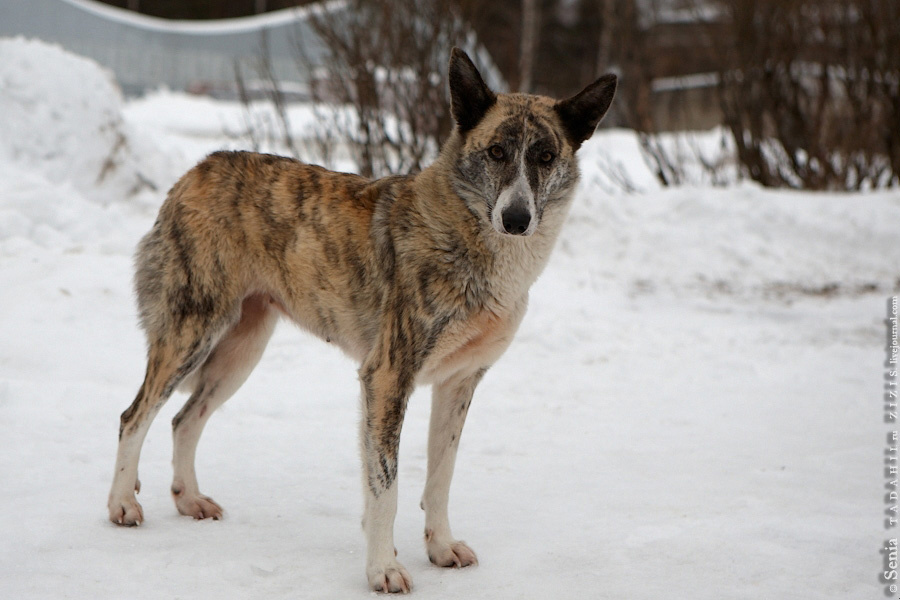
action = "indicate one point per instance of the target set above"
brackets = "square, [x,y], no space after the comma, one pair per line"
[226,369]
[449,406]
[170,360]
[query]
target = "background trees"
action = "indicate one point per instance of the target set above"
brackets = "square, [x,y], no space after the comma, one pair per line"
[806,91]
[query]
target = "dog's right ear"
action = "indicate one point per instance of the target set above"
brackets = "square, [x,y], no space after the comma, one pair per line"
[470,97]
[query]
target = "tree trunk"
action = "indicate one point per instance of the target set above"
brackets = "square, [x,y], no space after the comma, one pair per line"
[528,46]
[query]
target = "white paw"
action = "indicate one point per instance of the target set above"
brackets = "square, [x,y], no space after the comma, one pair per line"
[197,506]
[391,578]
[449,553]
[125,511]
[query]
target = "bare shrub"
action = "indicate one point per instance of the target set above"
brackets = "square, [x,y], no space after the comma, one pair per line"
[384,74]
[267,126]
[377,84]
[809,90]
[629,44]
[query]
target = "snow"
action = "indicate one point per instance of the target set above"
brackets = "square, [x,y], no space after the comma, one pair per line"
[685,82]
[62,117]
[691,409]
[275,18]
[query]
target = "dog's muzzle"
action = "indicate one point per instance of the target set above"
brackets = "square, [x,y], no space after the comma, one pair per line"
[514,212]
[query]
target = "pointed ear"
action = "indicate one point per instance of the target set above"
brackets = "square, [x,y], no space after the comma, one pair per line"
[581,113]
[470,98]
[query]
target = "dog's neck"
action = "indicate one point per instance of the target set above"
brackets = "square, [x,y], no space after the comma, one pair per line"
[515,261]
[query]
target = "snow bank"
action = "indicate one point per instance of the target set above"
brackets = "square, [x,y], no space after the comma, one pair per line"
[191,126]
[65,150]
[62,117]
[740,239]
[71,150]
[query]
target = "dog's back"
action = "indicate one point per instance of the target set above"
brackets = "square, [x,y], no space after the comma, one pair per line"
[241,223]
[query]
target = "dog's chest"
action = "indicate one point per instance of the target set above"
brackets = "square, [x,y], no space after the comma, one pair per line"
[469,345]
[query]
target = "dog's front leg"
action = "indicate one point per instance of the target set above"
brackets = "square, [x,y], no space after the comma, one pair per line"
[449,406]
[385,391]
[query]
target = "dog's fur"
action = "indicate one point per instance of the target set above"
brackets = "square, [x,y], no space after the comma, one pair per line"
[422,279]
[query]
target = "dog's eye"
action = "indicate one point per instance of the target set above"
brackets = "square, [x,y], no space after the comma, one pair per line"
[496,152]
[547,157]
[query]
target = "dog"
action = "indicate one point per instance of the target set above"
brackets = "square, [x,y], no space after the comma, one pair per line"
[423,279]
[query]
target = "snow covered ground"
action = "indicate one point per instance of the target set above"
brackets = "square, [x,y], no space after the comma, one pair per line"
[692,408]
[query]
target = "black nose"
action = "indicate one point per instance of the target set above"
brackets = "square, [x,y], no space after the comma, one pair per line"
[516,219]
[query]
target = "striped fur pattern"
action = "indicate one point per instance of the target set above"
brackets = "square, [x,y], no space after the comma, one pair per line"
[422,279]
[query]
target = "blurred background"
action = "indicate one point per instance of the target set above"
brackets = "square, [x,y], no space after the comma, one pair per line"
[799,93]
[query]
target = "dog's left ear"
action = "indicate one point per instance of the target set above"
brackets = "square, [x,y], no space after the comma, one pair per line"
[470,97]
[581,113]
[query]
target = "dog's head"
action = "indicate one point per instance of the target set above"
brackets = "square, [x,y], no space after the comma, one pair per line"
[516,153]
